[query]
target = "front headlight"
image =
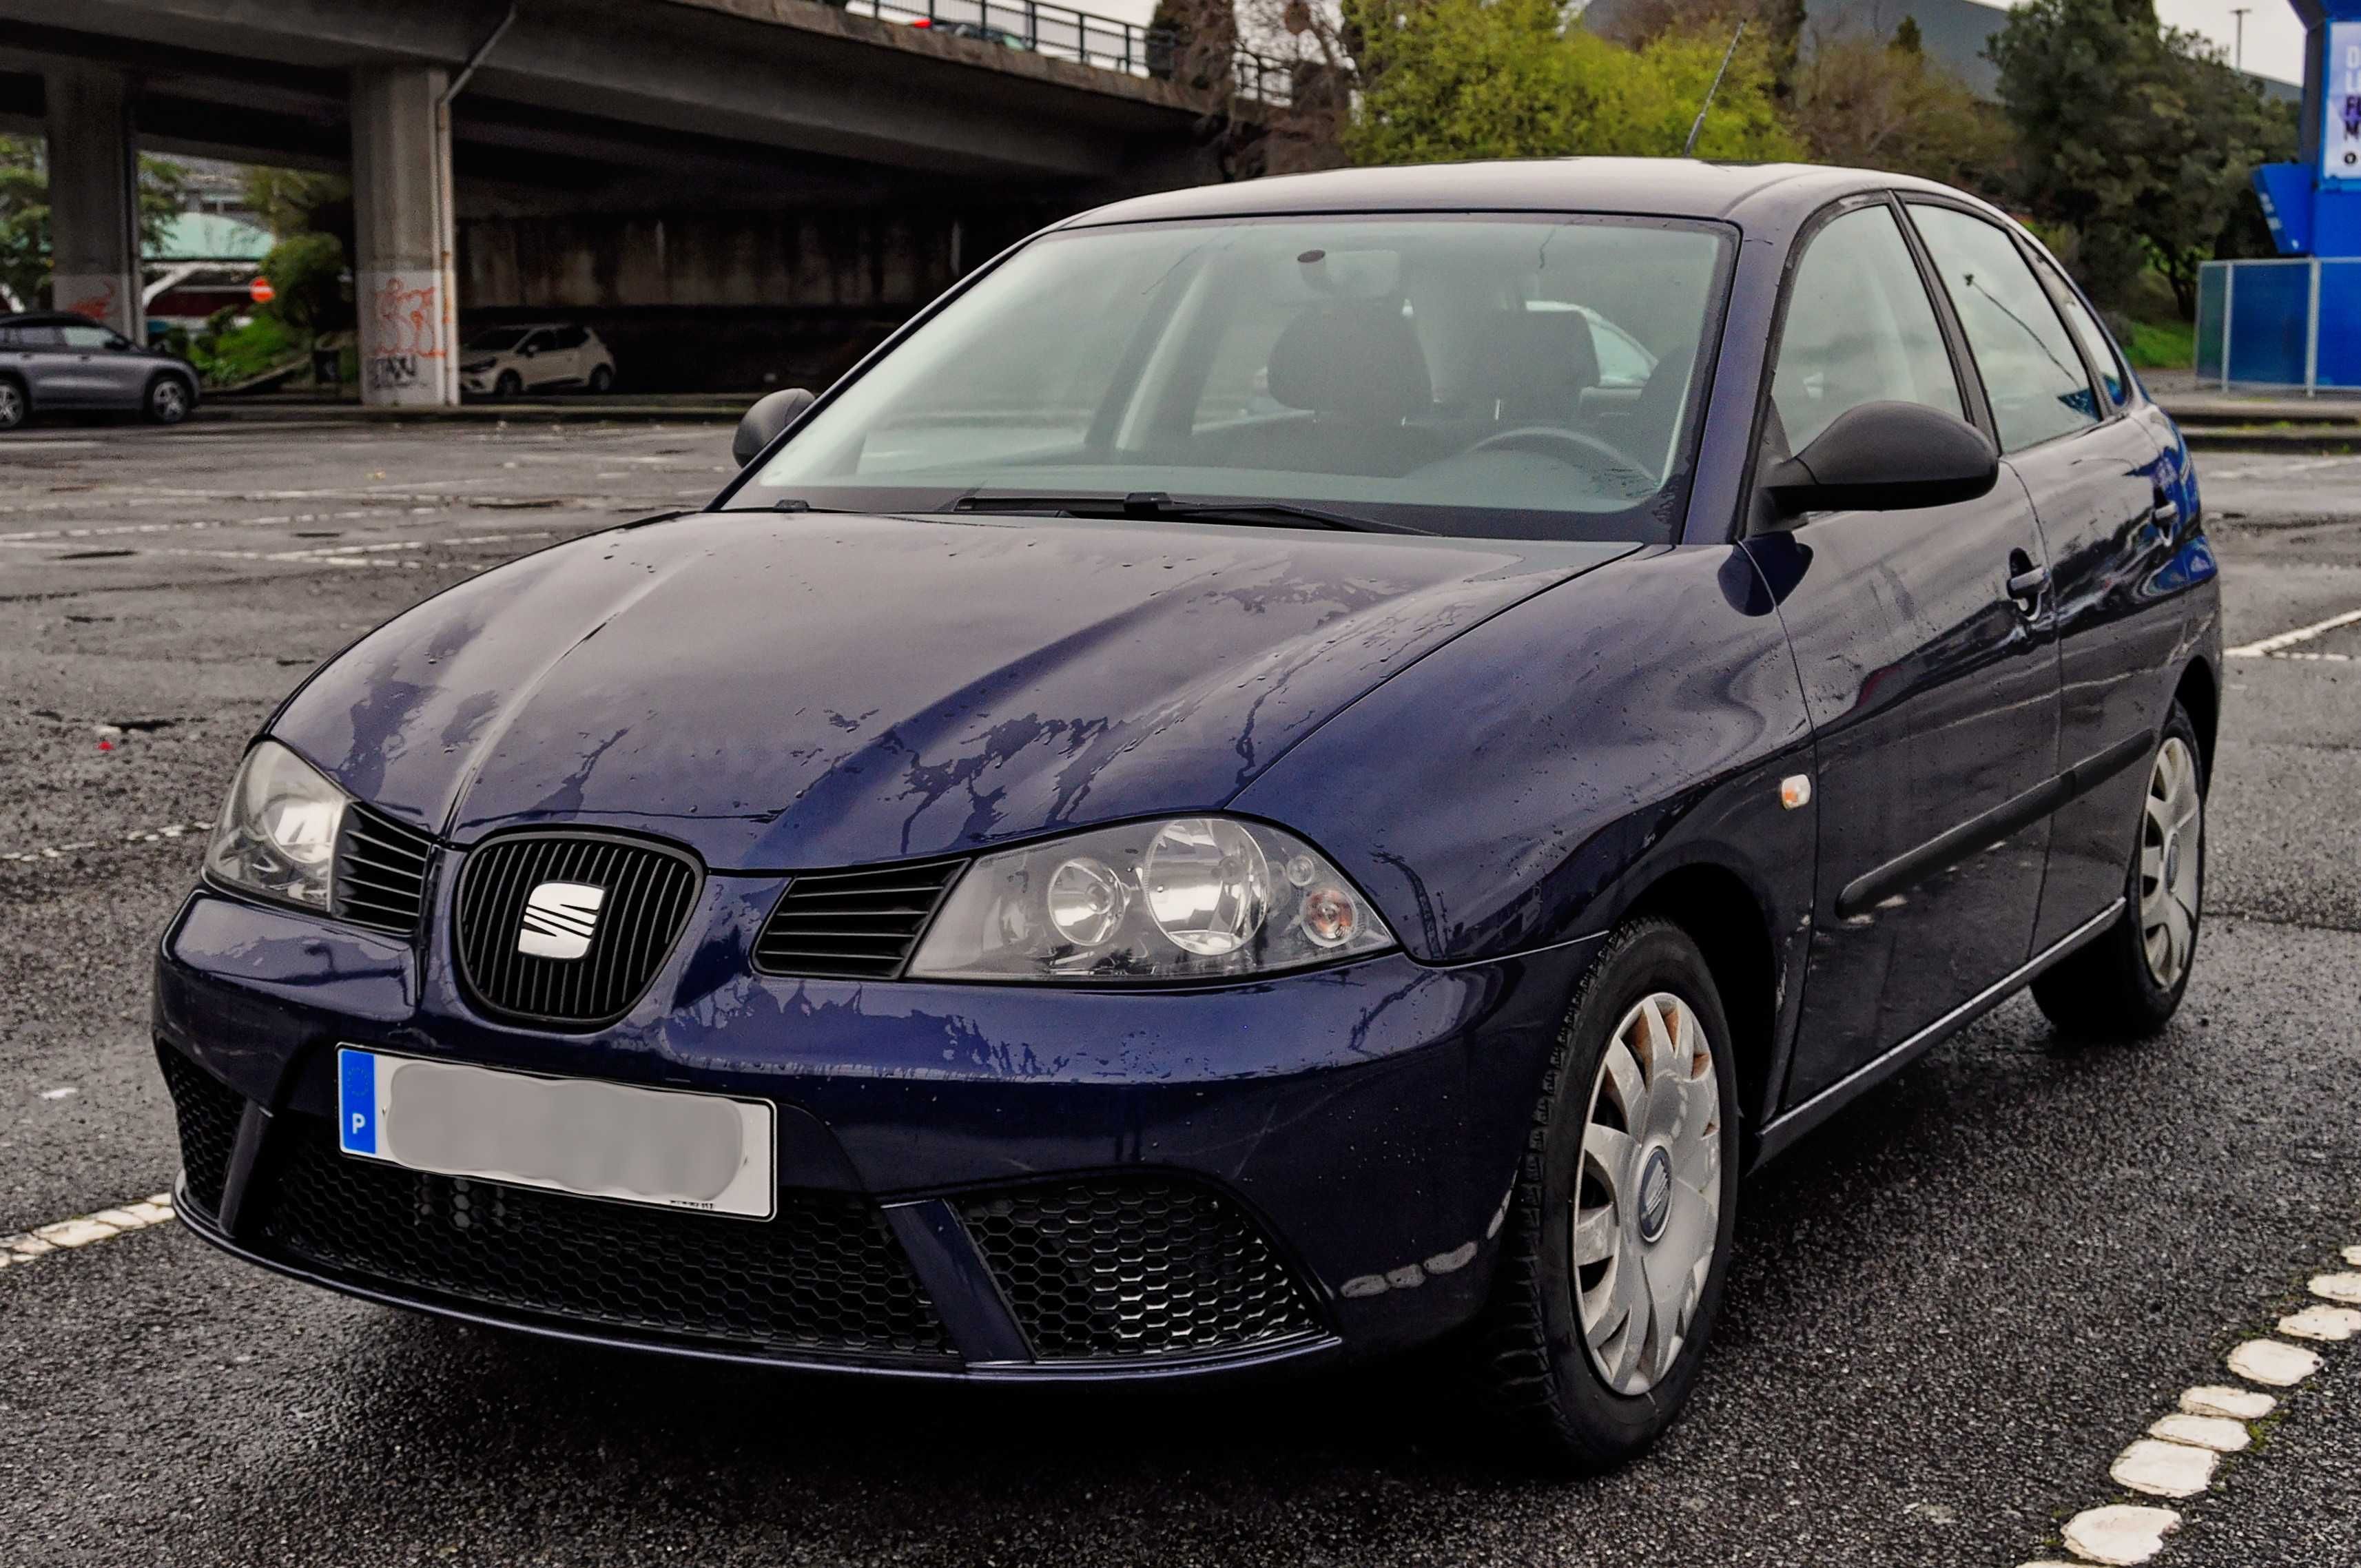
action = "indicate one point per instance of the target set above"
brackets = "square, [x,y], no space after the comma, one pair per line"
[1195,898]
[276,836]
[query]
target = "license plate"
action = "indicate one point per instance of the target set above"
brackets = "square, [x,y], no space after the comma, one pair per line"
[662,1147]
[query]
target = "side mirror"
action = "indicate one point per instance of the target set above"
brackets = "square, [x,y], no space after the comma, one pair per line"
[1886,456]
[771,414]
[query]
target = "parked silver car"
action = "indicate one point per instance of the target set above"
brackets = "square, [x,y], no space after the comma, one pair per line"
[61,361]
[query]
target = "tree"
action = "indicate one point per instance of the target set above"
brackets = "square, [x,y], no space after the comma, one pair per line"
[1467,78]
[1867,103]
[306,273]
[2140,139]
[25,213]
[296,201]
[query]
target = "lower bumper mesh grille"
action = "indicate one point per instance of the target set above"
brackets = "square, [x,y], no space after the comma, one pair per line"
[208,1112]
[825,1275]
[1134,1268]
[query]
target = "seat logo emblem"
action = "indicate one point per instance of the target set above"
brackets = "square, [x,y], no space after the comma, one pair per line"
[559,917]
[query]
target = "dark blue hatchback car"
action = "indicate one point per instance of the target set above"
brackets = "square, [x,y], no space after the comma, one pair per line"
[1292,769]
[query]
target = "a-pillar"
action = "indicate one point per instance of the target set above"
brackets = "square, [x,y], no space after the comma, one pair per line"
[404,287]
[94,198]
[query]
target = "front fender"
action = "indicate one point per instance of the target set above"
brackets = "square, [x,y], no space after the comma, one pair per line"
[1525,784]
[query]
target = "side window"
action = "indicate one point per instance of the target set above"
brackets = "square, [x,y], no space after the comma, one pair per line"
[2089,333]
[571,337]
[535,342]
[38,336]
[2034,377]
[1860,329]
[87,337]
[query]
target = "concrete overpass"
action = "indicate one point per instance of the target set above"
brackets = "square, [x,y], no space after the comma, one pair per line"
[808,154]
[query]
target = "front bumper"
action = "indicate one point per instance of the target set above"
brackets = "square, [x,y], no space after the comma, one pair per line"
[977,1181]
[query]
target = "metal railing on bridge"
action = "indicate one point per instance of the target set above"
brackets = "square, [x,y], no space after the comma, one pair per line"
[1061,32]
[2292,322]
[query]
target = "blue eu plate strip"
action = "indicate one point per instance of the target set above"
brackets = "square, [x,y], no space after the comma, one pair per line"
[357,1101]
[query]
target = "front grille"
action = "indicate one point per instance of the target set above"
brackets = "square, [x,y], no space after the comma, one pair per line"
[1134,1268]
[648,894]
[381,871]
[208,1112]
[824,1276]
[857,925]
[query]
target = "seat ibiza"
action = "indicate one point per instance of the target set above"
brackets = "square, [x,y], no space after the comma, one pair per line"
[1232,798]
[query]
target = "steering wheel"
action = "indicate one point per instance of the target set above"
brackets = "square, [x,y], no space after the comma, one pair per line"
[1587,451]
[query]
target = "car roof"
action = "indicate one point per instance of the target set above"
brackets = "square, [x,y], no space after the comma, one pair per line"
[1652,187]
[49,318]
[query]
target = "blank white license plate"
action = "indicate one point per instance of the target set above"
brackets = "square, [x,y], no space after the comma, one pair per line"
[663,1147]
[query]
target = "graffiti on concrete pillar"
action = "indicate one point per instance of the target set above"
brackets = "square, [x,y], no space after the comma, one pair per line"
[96,303]
[404,343]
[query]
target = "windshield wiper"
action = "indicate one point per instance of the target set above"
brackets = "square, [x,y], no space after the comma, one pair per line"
[1157,506]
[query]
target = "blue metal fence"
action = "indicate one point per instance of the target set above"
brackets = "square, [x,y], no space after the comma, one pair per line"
[2294,322]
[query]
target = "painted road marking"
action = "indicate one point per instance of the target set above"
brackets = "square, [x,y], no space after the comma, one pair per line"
[84,1230]
[2180,1452]
[2267,646]
[137,836]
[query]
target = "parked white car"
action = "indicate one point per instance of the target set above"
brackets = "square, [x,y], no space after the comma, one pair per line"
[504,361]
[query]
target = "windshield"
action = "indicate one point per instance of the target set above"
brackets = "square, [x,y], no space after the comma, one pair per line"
[497,339]
[1509,376]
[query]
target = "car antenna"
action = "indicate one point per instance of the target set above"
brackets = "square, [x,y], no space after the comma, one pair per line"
[1713,88]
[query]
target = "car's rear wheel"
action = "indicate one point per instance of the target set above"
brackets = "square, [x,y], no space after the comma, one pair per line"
[13,404]
[166,401]
[602,377]
[2128,981]
[1622,1215]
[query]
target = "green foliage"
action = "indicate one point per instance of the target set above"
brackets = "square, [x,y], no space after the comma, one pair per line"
[306,271]
[25,212]
[294,201]
[227,351]
[2161,345]
[1443,80]
[2141,139]
[1865,104]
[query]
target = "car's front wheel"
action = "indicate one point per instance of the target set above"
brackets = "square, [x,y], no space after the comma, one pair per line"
[13,406]
[509,385]
[1621,1214]
[166,401]
[2129,981]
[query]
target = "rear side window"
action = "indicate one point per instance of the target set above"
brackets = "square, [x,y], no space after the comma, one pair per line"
[2089,333]
[2034,377]
[1860,329]
[571,337]
[38,337]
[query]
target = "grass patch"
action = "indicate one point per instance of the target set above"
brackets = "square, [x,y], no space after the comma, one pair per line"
[2162,346]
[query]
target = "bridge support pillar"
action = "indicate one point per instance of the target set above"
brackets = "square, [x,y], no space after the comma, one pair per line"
[404,287]
[95,198]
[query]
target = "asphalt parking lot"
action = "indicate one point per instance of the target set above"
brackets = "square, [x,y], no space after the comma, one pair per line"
[1951,1310]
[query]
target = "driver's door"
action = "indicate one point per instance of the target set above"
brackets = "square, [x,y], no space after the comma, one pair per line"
[1933,693]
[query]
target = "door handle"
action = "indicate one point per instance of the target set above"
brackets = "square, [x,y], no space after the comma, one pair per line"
[2025,584]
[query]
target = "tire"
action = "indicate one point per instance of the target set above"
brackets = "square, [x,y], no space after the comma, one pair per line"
[602,377]
[2115,987]
[13,405]
[509,385]
[1577,1392]
[167,401]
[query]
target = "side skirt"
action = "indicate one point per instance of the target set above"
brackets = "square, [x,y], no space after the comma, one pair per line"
[1780,1134]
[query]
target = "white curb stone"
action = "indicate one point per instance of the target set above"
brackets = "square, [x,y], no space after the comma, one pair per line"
[2345,1287]
[2165,1469]
[2330,1324]
[2219,1433]
[2276,1365]
[2238,1404]
[75,1233]
[2353,1256]
[2119,1535]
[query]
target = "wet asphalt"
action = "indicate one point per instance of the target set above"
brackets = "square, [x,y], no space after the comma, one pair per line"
[1949,1309]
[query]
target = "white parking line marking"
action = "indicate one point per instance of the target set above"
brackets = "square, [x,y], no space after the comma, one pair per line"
[2328,1325]
[164,834]
[2219,1433]
[2267,646]
[2238,1404]
[2164,1469]
[2273,1364]
[84,1230]
[2120,1535]
[2274,470]
[2345,1287]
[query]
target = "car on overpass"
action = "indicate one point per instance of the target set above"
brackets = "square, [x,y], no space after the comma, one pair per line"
[58,361]
[508,361]
[1230,798]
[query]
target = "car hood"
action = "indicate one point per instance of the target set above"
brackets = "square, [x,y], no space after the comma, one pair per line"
[792,690]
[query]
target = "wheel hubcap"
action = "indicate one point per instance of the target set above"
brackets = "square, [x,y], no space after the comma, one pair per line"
[2170,863]
[1647,1202]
